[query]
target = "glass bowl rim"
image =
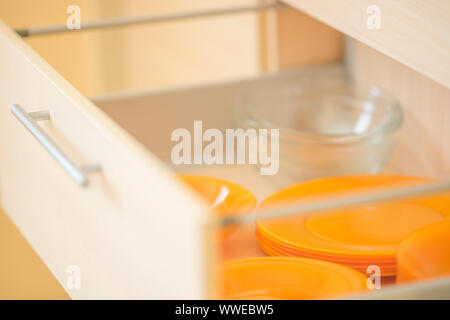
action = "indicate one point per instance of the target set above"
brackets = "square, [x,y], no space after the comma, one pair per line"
[393,121]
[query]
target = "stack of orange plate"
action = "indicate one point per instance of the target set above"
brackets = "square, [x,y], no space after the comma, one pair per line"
[425,253]
[226,198]
[357,237]
[287,279]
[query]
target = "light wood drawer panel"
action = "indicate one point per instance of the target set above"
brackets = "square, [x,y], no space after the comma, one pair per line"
[124,231]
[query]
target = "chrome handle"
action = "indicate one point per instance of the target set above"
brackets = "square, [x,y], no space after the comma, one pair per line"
[78,173]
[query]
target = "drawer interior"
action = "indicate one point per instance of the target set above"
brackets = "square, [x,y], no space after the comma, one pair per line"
[151,117]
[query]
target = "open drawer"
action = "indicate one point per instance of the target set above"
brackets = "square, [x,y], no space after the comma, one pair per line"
[97,190]
[105,222]
[109,221]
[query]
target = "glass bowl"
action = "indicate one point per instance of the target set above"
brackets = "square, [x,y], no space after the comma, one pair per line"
[325,129]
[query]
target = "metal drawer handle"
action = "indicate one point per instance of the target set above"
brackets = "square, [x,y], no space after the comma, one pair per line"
[78,173]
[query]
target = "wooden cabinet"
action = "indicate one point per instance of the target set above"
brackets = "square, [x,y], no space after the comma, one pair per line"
[134,230]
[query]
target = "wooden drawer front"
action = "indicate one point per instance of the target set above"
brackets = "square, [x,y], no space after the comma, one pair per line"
[124,231]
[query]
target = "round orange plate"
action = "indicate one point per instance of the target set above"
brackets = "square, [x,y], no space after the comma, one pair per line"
[226,198]
[287,278]
[425,253]
[366,233]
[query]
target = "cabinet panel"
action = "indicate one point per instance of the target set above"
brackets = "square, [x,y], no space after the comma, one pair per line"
[113,228]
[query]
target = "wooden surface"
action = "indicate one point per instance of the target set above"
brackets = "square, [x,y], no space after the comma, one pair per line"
[179,52]
[142,56]
[413,32]
[23,275]
[290,39]
[423,142]
[125,232]
[78,57]
[303,40]
[214,49]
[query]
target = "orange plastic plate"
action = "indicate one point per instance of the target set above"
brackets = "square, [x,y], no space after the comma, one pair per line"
[354,236]
[425,253]
[226,198]
[287,278]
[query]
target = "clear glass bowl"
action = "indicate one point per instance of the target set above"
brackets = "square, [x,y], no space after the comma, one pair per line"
[325,129]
